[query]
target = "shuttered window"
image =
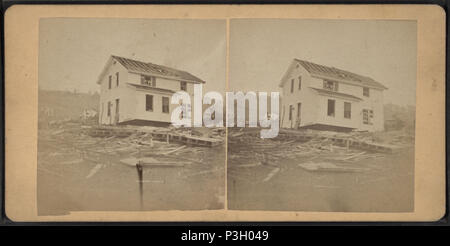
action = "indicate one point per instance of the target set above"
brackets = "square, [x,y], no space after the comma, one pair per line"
[165,104]
[299,82]
[347,110]
[183,86]
[148,80]
[291,109]
[109,108]
[366,91]
[367,117]
[331,104]
[149,102]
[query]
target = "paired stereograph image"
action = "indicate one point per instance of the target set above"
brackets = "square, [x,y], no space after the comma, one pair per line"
[344,119]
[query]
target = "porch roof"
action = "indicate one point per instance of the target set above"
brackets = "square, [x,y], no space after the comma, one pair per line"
[146,87]
[336,94]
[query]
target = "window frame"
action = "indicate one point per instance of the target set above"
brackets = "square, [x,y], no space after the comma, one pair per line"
[334,87]
[349,110]
[117,79]
[329,113]
[366,91]
[147,108]
[183,84]
[368,114]
[151,79]
[109,109]
[292,86]
[109,82]
[299,83]
[291,109]
[168,105]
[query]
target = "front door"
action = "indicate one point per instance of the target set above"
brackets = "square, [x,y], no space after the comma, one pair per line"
[116,117]
[299,112]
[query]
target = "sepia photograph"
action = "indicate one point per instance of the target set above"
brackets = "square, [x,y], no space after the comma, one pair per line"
[224,113]
[105,138]
[346,115]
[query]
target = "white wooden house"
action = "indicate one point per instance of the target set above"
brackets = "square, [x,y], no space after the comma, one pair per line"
[136,92]
[320,97]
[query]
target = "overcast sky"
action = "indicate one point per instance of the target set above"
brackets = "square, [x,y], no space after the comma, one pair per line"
[261,51]
[74,51]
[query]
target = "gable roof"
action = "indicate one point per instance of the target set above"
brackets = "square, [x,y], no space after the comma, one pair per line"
[338,74]
[148,68]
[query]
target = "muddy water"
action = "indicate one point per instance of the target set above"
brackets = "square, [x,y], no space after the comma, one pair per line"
[71,181]
[388,186]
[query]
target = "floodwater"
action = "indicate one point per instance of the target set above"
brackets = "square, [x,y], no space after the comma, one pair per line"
[386,186]
[81,173]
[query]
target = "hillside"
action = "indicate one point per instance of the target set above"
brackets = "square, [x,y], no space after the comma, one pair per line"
[64,105]
[399,117]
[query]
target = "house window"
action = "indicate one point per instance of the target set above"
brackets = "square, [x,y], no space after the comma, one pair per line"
[109,108]
[183,86]
[148,102]
[291,108]
[331,104]
[367,116]
[292,85]
[117,79]
[165,104]
[347,110]
[148,80]
[109,83]
[366,91]
[182,112]
[213,115]
[299,82]
[330,85]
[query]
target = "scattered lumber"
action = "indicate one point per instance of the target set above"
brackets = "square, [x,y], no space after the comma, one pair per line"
[152,162]
[94,170]
[175,150]
[247,165]
[352,156]
[271,174]
[329,167]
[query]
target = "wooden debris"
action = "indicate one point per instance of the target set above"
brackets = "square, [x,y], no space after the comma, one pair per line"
[271,174]
[94,170]
[152,162]
[326,166]
[72,162]
[352,156]
[204,172]
[248,165]
[151,181]
[175,150]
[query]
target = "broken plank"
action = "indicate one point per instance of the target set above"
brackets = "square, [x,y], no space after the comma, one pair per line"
[175,150]
[72,162]
[352,156]
[94,170]
[247,165]
[271,174]
[149,161]
[326,166]
[204,172]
